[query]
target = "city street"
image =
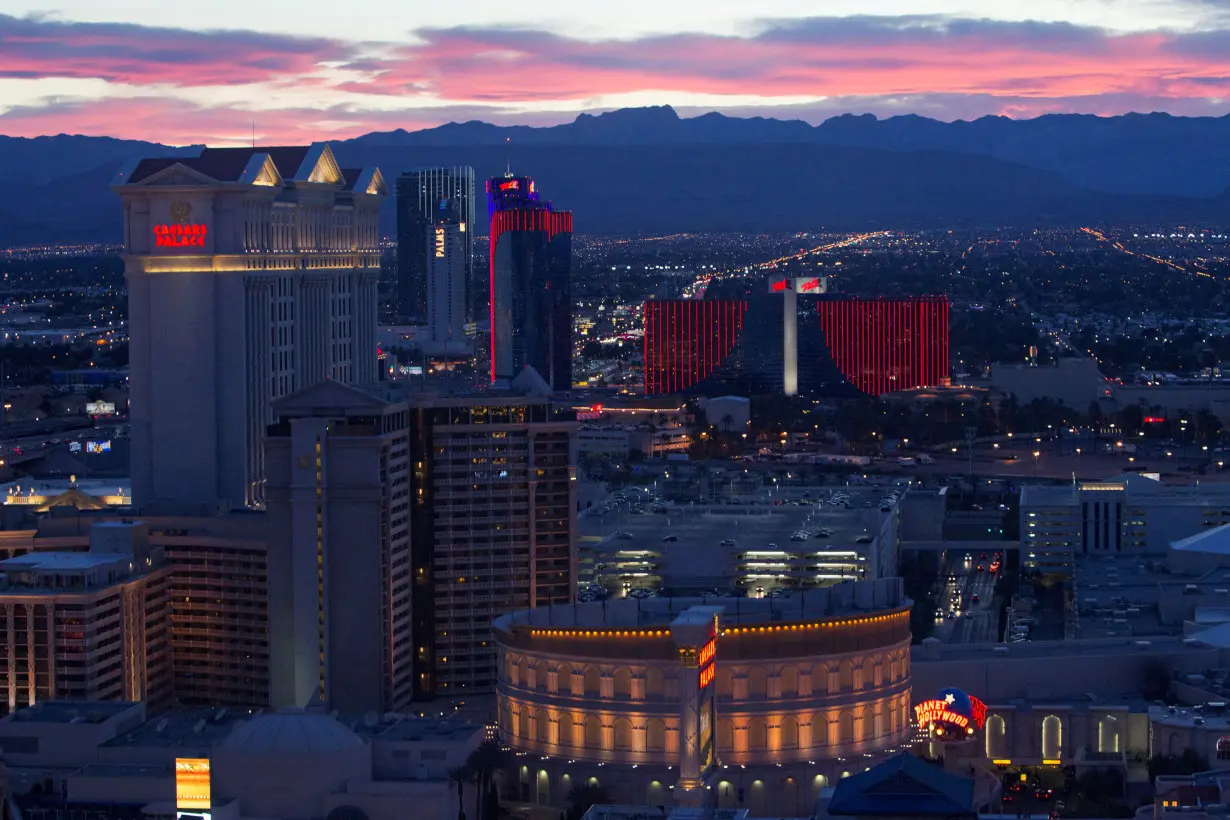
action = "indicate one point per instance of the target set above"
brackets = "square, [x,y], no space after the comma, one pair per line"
[960,581]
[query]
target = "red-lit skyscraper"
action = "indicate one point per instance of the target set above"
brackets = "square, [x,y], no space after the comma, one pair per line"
[861,345]
[885,344]
[687,339]
[531,271]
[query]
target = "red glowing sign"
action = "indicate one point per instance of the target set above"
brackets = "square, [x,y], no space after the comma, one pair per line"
[778,286]
[511,185]
[809,285]
[936,711]
[707,652]
[940,711]
[180,236]
[1155,419]
[707,674]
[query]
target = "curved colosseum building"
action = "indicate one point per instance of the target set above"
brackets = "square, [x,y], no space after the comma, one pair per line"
[804,690]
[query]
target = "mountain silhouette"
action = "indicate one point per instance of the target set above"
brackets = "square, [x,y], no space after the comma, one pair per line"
[650,170]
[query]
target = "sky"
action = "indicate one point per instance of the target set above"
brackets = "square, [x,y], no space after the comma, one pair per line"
[221,71]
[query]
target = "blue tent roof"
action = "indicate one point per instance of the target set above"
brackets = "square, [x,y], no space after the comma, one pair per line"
[903,785]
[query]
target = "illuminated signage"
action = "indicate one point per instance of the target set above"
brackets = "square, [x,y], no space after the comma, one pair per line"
[191,784]
[98,446]
[74,447]
[180,236]
[1155,419]
[511,185]
[439,243]
[100,408]
[937,711]
[779,286]
[707,652]
[707,674]
[953,712]
[813,284]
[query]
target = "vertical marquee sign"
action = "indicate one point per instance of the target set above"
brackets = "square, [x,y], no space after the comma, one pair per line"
[706,703]
[192,795]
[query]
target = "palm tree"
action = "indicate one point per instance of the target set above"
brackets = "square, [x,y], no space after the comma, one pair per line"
[459,776]
[488,758]
[583,797]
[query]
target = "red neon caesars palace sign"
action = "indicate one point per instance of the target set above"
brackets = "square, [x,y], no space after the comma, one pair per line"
[181,232]
[706,675]
[707,652]
[180,236]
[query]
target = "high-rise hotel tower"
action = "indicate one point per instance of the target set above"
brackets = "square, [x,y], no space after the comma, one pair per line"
[251,273]
[531,292]
[427,198]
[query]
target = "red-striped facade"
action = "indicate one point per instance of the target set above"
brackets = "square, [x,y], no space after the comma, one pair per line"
[885,344]
[687,339]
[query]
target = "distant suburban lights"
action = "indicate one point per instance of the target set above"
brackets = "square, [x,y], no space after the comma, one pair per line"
[180,236]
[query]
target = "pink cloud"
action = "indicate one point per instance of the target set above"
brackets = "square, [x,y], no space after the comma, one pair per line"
[173,121]
[838,56]
[32,47]
[943,67]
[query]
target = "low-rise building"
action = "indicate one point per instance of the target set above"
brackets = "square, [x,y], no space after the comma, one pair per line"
[90,625]
[1132,514]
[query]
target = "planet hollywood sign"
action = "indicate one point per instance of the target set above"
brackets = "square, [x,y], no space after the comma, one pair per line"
[953,714]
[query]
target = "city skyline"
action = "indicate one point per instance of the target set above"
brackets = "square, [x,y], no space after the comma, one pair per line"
[228,74]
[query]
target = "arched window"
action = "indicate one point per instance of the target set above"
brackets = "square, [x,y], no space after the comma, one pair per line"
[567,734]
[655,683]
[540,676]
[623,684]
[819,730]
[819,679]
[543,792]
[1108,734]
[544,726]
[790,732]
[1052,737]
[757,682]
[757,735]
[845,677]
[996,732]
[593,681]
[514,671]
[869,728]
[655,735]
[593,732]
[845,728]
[563,679]
[790,681]
[623,733]
[725,682]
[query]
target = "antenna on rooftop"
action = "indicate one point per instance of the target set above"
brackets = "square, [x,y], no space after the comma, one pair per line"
[507,158]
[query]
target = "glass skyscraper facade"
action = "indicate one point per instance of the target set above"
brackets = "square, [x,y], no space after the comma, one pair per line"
[531,290]
[427,197]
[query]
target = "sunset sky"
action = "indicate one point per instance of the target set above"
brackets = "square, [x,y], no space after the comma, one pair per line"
[301,70]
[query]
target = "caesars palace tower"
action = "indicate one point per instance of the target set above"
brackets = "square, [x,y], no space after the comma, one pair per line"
[252,273]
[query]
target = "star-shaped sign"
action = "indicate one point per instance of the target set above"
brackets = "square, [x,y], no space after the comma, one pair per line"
[950,698]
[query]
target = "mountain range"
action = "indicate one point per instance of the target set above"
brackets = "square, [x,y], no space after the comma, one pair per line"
[648,170]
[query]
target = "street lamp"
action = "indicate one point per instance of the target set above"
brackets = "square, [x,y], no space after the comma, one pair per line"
[1036,454]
